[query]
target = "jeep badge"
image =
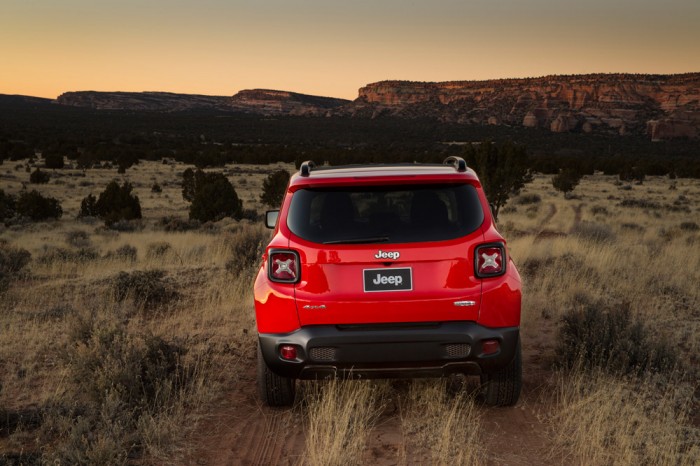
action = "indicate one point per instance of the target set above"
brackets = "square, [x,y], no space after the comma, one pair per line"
[387,255]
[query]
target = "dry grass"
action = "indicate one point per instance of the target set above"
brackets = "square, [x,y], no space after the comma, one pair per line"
[113,342]
[603,419]
[442,429]
[594,250]
[339,418]
[615,261]
[653,267]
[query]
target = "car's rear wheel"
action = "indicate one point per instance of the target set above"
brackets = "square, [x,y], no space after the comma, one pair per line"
[502,388]
[274,389]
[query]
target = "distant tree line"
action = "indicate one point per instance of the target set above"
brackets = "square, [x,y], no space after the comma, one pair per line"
[119,139]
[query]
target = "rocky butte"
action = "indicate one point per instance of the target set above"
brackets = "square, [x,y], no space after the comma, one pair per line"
[271,102]
[661,106]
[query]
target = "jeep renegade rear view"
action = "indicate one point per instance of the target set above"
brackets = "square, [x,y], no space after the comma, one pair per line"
[387,271]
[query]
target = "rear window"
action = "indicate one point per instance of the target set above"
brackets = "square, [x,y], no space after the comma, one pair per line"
[385,214]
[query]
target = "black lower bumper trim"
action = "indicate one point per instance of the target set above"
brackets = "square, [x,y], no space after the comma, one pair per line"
[390,352]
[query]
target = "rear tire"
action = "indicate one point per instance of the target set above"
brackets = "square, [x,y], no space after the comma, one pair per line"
[502,388]
[274,389]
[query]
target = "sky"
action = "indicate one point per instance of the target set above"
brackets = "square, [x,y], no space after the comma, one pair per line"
[329,47]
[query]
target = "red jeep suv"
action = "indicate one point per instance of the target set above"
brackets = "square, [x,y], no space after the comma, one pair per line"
[387,271]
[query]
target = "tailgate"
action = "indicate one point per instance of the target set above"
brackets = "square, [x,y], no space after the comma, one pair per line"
[353,284]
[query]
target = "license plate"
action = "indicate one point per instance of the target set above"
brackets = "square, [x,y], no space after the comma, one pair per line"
[388,279]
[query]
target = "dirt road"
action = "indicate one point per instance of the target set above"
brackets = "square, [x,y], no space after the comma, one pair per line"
[243,432]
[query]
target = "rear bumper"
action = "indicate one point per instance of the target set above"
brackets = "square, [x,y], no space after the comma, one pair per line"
[390,350]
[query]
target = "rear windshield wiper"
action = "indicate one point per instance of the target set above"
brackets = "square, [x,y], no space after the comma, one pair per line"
[371,239]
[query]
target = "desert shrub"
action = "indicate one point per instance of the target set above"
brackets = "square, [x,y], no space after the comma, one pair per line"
[525,199]
[532,210]
[640,203]
[12,261]
[8,206]
[632,227]
[597,335]
[39,177]
[88,207]
[121,380]
[20,458]
[210,228]
[245,248]
[159,250]
[125,253]
[566,180]
[148,288]
[546,265]
[250,214]
[12,420]
[172,223]
[689,226]
[53,254]
[597,232]
[678,208]
[33,205]
[126,160]
[274,187]
[78,239]
[131,367]
[681,200]
[126,225]
[212,195]
[56,312]
[599,210]
[607,419]
[115,203]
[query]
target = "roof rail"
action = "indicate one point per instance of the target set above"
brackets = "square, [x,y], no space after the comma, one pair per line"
[306,167]
[457,162]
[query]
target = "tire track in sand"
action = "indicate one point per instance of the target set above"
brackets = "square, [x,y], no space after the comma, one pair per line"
[243,432]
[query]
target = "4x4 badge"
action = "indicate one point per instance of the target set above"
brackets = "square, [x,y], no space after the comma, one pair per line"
[387,255]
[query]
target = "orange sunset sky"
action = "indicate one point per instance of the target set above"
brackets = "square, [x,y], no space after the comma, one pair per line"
[329,47]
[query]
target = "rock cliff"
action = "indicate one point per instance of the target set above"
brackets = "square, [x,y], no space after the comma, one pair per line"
[662,106]
[150,101]
[262,101]
[272,102]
